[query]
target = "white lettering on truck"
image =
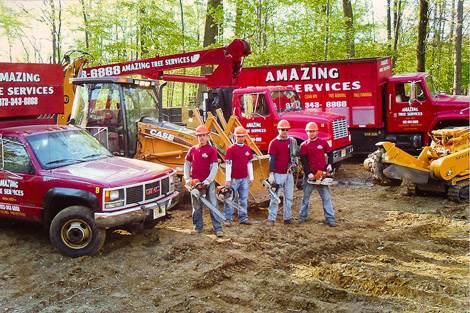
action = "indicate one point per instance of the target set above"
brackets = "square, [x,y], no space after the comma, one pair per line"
[19,77]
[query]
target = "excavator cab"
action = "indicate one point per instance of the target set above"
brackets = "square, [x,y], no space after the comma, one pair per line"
[110,108]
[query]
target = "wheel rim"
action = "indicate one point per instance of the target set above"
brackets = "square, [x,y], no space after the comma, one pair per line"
[76,234]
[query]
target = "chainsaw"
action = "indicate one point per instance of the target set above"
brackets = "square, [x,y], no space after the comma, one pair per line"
[198,190]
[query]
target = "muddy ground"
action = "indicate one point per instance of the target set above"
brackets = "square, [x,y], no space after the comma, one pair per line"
[389,253]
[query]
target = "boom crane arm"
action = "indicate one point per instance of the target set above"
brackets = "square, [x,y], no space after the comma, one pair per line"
[228,59]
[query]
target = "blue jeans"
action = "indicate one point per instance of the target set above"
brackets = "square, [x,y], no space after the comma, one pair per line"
[197,210]
[241,192]
[325,196]
[287,185]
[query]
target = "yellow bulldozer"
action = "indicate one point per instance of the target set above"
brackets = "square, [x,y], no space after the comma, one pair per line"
[442,167]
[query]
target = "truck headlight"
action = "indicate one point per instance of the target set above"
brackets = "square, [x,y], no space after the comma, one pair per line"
[113,195]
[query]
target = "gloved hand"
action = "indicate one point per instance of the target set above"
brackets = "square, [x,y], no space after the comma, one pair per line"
[227,184]
[206,182]
[271,179]
[329,168]
[311,176]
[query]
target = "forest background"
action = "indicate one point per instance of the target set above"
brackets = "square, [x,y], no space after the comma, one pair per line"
[420,35]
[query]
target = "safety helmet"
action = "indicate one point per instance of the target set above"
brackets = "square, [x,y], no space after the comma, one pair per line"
[283,124]
[201,130]
[240,131]
[311,126]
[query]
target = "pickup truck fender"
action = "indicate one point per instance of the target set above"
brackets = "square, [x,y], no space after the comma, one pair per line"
[59,198]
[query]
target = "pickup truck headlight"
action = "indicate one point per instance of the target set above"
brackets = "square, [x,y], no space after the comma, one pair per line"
[113,195]
[113,198]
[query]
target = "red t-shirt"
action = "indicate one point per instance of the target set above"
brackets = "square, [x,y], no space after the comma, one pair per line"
[315,152]
[240,156]
[280,150]
[201,158]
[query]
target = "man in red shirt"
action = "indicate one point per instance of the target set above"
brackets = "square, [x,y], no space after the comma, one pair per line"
[238,175]
[312,154]
[282,151]
[201,165]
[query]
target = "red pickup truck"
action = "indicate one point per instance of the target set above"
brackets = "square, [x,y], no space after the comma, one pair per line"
[61,176]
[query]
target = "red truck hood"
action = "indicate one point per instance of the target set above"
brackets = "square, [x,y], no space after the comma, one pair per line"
[301,118]
[111,172]
[452,101]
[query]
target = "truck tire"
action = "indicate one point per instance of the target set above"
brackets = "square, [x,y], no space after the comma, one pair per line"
[74,233]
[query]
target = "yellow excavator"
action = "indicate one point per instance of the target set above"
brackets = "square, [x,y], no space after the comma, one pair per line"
[443,166]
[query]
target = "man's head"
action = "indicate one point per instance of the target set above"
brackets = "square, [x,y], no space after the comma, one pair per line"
[312,130]
[202,134]
[283,127]
[240,134]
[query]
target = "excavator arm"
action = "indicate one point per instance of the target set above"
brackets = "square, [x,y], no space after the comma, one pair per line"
[228,61]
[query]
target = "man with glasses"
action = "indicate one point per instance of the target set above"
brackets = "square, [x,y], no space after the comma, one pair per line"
[200,167]
[282,157]
[312,154]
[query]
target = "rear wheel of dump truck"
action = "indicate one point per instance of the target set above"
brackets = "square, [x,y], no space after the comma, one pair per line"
[74,233]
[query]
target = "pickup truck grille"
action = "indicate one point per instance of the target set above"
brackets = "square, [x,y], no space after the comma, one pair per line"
[165,185]
[340,129]
[147,191]
[134,194]
[152,190]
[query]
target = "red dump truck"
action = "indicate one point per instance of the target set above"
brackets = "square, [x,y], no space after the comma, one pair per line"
[377,105]
[61,176]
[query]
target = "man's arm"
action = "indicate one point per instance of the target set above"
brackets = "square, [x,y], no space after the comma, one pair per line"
[187,171]
[212,173]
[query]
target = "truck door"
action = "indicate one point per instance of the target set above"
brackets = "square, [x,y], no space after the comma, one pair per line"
[255,115]
[20,194]
[409,107]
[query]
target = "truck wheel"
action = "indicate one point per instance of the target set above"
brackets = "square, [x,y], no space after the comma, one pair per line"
[74,233]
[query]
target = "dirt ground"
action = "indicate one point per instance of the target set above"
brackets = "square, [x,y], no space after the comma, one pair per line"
[389,253]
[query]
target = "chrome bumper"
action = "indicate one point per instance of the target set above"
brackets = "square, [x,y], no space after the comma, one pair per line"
[136,214]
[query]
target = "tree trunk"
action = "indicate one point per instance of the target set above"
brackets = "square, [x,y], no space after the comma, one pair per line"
[389,25]
[238,18]
[349,27]
[458,50]
[327,29]
[211,32]
[422,32]
[397,25]
[85,23]
[53,31]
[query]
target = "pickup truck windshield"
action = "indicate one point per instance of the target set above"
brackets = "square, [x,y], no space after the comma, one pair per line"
[286,101]
[61,148]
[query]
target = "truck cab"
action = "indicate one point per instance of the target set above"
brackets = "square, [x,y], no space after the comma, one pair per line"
[414,106]
[259,109]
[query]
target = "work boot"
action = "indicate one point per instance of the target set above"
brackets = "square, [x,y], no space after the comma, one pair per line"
[331,224]
[289,221]
[268,222]
[197,231]
[246,222]
[219,233]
